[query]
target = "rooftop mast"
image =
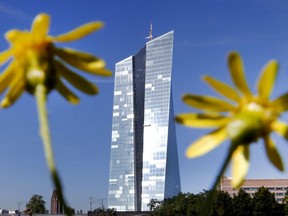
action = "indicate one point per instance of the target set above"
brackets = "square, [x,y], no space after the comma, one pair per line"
[150,37]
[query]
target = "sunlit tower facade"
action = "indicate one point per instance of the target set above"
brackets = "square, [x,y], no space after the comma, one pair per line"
[144,156]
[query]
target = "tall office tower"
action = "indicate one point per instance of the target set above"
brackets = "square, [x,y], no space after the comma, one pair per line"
[144,157]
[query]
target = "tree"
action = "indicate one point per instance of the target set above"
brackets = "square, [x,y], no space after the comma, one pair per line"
[195,203]
[262,204]
[102,212]
[285,203]
[223,205]
[265,204]
[36,205]
[187,204]
[168,207]
[242,204]
[153,204]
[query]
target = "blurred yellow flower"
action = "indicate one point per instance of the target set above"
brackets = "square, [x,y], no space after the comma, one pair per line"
[244,120]
[37,66]
[37,61]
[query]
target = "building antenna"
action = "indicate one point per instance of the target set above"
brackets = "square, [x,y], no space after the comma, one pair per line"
[150,37]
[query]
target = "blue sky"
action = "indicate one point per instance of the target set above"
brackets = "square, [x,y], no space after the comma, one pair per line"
[205,32]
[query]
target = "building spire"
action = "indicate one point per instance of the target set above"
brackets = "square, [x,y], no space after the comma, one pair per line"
[150,37]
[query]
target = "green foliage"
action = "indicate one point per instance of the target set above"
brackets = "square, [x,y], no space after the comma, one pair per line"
[285,203]
[243,204]
[153,204]
[72,210]
[102,212]
[223,205]
[263,203]
[36,205]
[182,205]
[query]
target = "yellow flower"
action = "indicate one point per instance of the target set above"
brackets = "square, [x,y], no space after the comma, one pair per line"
[36,60]
[244,119]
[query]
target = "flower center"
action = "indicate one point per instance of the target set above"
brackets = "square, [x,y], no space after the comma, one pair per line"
[40,69]
[250,123]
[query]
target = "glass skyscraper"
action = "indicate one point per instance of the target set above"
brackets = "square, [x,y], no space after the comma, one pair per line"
[144,157]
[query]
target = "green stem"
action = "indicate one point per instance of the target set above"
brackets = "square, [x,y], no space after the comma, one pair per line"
[211,196]
[40,95]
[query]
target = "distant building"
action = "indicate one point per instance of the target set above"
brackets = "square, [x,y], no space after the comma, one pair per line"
[144,157]
[276,186]
[56,207]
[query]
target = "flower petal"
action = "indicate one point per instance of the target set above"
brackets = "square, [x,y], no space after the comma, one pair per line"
[207,103]
[202,120]
[281,128]
[281,103]
[5,55]
[83,61]
[267,79]
[79,32]
[76,80]
[273,154]
[18,39]
[40,26]
[240,165]
[66,93]
[103,72]
[17,87]
[206,143]
[237,73]
[223,88]
[13,35]
[7,76]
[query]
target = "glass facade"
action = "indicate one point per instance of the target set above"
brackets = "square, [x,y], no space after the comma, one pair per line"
[122,168]
[144,157]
